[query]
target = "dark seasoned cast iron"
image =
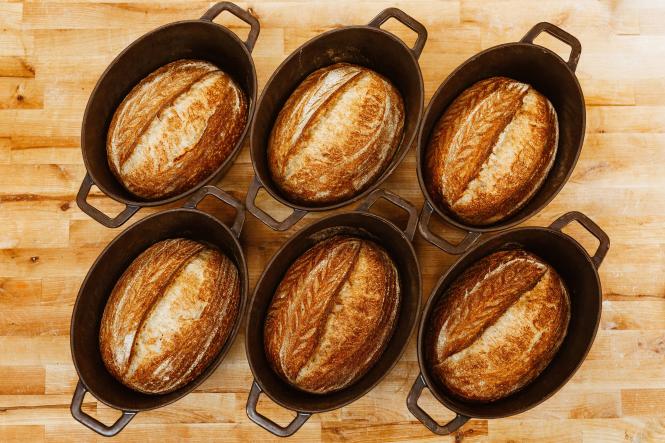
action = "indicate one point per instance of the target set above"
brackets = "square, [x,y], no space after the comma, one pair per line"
[368,46]
[580,274]
[359,222]
[550,75]
[186,222]
[199,39]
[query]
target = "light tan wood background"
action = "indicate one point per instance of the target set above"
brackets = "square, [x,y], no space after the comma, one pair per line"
[51,54]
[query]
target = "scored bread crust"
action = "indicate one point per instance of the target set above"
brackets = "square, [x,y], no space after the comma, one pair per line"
[491,150]
[175,128]
[335,135]
[498,326]
[169,315]
[332,314]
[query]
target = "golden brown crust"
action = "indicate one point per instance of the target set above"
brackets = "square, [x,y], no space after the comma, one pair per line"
[498,325]
[175,128]
[491,150]
[335,135]
[168,315]
[332,314]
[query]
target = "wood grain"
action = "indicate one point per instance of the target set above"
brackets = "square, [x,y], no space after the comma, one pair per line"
[51,54]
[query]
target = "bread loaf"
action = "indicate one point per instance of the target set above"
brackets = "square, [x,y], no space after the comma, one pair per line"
[491,150]
[175,128]
[332,314]
[336,134]
[498,326]
[169,315]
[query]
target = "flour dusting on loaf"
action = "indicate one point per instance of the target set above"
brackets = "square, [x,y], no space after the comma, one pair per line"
[332,314]
[169,315]
[175,128]
[335,135]
[497,326]
[491,150]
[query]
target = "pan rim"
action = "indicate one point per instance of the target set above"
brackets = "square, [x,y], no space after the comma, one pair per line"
[314,227]
[513,221]
[435,294]
[225,164]
[398,157]
[214,365]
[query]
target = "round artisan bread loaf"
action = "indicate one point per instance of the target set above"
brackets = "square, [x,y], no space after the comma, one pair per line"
[175,128]
[497,326]
[336,134]
[491,150]
[332,314]
[169,315]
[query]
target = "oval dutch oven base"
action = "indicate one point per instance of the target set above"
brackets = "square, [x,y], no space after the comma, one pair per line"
[550,75]
[580,274]
[185,222]
[368,46]
[360,223]
[199,39]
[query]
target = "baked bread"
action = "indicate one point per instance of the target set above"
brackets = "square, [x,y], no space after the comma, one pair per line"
[335,135]
[169,315]
[175,128]
[332,314]
[491,150]
[498,326]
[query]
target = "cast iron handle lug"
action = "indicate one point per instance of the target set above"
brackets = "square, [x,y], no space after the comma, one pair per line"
[555,31]
[431,424]
[407,21]
[250,202]
[441,243]
[592,227]
[398,201]
[93,423]
[266,423]
[243,15]
[194,201]
[96,214]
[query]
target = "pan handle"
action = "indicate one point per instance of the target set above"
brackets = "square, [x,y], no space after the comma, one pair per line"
[590,226]
[194,201]
[250,202]
[243,15]
[555,31]
[268,424]
[96,214]
[441,243]
[397,201]
[407,21]
[431,424]
[92,423]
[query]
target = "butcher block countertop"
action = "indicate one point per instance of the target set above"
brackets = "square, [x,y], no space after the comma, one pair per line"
[51,54]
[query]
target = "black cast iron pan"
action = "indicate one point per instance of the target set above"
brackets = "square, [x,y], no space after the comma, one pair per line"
[360,222]
[366,45]
[551,76]
[198,39]
[580,274]
[187,222]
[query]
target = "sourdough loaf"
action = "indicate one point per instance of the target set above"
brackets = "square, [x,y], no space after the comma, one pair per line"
[498,326]
[491,150]
[336,134]
[175,128]
[169,315]
[332,314]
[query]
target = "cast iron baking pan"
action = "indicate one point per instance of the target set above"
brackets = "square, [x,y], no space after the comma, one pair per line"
[369,46]
[197,39]
[550,75]
[362,223]
[579,272]
[187,222]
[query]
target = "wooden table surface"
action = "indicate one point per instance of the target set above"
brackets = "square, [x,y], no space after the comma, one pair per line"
[51,54]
